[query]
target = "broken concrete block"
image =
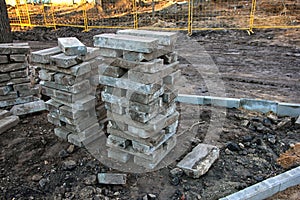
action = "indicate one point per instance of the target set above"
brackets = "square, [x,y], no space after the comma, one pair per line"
[26,108]
[198,162]
[113,179]
[8,122]
[164,38]
[126,42]
[43,56]
[288,109]
[71,46]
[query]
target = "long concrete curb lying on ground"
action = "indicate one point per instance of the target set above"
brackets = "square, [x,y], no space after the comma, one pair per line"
[264,106]
[269,187]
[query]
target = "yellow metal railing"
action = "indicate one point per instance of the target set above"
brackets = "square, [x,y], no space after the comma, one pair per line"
[188,15]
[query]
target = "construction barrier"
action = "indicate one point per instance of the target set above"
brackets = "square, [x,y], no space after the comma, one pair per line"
[156,14]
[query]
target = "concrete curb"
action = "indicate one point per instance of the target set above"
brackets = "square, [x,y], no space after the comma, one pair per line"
[264,106]
[269,187]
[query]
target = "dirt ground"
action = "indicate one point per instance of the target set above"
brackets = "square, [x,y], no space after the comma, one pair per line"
[264,65]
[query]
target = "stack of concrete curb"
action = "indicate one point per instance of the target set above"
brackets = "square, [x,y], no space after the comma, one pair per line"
[68,75]
[15,85]
[139,74]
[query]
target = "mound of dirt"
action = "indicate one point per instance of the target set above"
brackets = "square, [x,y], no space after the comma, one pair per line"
[291,157]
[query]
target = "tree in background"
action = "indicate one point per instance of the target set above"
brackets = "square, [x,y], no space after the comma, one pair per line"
[5,31]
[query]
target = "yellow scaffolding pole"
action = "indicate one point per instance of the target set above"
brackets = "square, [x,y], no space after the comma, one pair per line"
[85,18]
[135,15]
[252,15]
[190,17]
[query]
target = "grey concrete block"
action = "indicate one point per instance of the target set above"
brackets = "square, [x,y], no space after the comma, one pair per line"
[75,139]
[118,155]
[62,133]
[130,85]
[92,53]
[263,106]
[71,46]
[190,99]
[162,152]
[112,71]
[172,78]
[64,61]
[15,101]
[4,59]
[18,81]
[4,113]
[288,109]
[43,56]
[269,187]
[222,102]
[126,42]
[199,160]
[22,86]
[26,108]
[4,78]
[20,58]
[164,38]
[112,179]
[116,141]
[46,75]
[19,74]
[89,132]
[145,78]
[13,48]
[82,125]
[111,53]
[5,90]
[8,122]
[12,67]
[74,89]
[149,67]
[10,96]
[85,103]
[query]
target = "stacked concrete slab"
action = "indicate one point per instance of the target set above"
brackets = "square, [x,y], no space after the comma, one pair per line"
[139,74]
[15,85]
[68,76]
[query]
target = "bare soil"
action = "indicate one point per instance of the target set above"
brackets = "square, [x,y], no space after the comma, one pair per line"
[264,65]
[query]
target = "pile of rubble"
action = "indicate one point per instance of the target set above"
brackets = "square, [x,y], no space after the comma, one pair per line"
[16,87]
[139,73]
[68,75]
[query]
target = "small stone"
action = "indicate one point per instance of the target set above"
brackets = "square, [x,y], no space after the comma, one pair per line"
[175,181]
[63,154]
[71,148]
[272,139]
[36,177]
[245,123]
[69,165]
[43,182]
[241,145]
[151,196]
[247,138]
[228,152]
[232,146]
[176,172]
[116,193]
[272,117]
[87,192]
[90,180]
[145,197]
